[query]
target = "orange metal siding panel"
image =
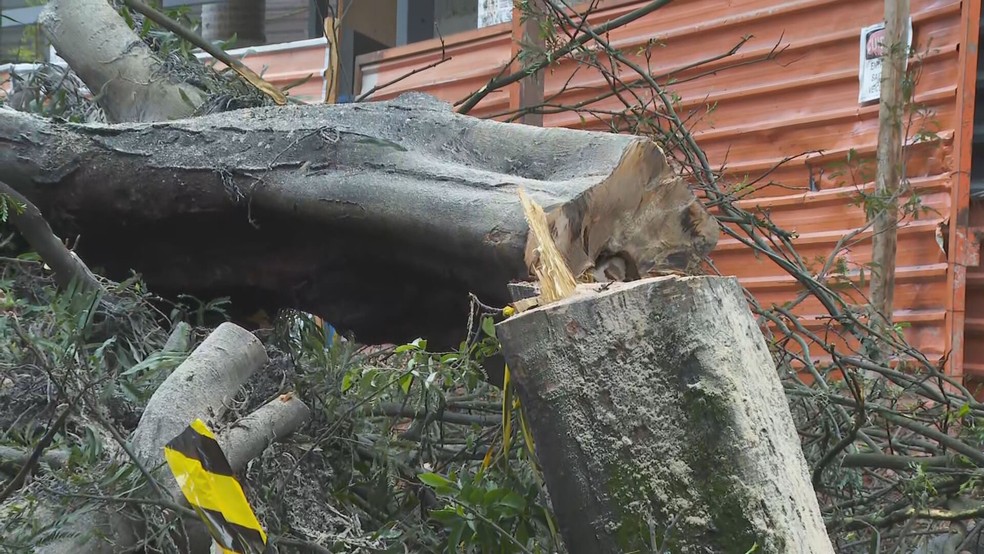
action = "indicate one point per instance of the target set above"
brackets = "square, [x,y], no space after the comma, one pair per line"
[957,324]
[974,305]
[475,57]
[802,105]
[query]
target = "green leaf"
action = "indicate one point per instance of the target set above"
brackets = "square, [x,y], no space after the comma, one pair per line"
[963,411]
[435,481]
[156,361]
[100,353]
[418,344]
[488,326]
[447,516]
[347,381]
[514,501]
[454,538]
[405,382]
[494,496]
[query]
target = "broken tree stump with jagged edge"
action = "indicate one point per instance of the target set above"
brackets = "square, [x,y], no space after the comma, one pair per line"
[657,411]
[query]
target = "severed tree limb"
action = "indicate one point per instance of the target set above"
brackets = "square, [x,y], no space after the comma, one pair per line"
[250,436]
[12,458]
[245,72]
[127,79]
[379,217]
[201,387]
[394,409]
[67,266]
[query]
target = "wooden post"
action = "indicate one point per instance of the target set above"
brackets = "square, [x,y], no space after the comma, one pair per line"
[332,34]
[526,34]
[658,415]
[889,159]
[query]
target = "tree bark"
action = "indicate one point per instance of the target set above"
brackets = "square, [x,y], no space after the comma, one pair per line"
[68,268]
[659,419]
[251,435]
[201,387]
[380,217]
[128,81]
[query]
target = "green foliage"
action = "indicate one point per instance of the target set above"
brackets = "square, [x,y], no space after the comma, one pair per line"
[32,44]
[162,41]
[7,206]
[490,513]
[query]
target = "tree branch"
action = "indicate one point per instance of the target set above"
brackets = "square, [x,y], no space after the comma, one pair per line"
[68,267]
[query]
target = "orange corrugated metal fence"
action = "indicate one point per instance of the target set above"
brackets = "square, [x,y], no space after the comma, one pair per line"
[803,104]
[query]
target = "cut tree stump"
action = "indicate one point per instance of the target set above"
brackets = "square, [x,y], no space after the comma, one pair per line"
[379,217]
[657,412]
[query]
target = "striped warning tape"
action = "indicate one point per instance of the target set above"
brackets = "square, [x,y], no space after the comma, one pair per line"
[208,483]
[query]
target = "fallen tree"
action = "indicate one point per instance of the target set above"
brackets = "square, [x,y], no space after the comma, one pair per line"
[380,217]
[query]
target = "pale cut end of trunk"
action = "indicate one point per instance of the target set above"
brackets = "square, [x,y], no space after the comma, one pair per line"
[641,220]
[550,268]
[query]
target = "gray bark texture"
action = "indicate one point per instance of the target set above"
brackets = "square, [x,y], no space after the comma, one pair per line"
[201,387]
[379,217]
[658,414]
[128,80]
[252,434]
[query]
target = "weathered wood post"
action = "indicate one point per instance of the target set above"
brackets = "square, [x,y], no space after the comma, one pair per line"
[659,419]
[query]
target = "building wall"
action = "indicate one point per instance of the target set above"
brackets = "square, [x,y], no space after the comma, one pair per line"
[796,118]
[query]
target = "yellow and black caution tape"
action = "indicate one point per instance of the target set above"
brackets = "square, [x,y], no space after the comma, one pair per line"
[210,486]
[510,402]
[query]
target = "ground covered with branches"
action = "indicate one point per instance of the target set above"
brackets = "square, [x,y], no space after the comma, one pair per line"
[409,450]
[397,455]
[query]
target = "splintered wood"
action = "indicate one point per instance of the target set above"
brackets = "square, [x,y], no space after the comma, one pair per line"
[555,278]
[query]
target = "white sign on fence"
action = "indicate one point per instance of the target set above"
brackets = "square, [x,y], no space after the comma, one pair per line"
[493,12]
[872,50]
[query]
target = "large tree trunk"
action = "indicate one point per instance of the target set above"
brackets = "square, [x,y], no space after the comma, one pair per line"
[659,419]
[380,217]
